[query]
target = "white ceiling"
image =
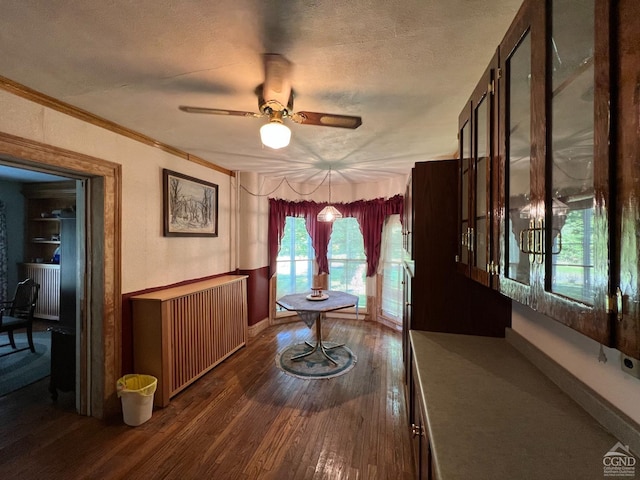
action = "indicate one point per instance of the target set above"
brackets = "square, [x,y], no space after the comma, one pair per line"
[405,66]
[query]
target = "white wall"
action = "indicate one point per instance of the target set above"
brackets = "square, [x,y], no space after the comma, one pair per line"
[579,355]
[148,258]
[253,229]
[340,192]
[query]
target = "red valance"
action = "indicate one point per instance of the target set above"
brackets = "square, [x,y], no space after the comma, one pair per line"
[370,215]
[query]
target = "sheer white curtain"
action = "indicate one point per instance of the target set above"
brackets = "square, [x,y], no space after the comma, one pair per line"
[390,268]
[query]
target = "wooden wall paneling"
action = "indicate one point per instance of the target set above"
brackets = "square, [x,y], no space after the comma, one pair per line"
[181,333]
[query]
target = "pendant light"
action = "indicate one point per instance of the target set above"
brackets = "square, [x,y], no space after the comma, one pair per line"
[329,213]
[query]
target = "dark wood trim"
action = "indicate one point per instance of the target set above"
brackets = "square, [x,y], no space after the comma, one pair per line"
[627,154]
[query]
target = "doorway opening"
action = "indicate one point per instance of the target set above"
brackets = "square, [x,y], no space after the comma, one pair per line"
[98,197]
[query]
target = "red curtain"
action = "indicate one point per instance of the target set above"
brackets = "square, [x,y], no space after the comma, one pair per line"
[370,215]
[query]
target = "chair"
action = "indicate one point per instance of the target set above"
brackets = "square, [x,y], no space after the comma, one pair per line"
[18,313]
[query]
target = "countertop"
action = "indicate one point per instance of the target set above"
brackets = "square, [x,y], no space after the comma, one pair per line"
[492,414]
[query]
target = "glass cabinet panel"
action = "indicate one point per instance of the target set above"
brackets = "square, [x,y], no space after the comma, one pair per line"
[571,207]
[465,142]
[482,160]
[518,162]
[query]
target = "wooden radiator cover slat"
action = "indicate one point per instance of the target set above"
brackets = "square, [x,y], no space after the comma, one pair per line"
[181,333]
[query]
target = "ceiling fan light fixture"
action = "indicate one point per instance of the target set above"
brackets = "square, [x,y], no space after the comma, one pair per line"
[275,134]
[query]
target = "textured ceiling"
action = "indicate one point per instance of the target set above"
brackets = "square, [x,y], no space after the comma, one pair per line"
[405,66]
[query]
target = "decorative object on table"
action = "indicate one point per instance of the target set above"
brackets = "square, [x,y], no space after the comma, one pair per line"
[190,206]
[320,283]
[25,367]
[315,366]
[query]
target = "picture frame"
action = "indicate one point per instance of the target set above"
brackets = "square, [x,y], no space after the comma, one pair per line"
[190,206]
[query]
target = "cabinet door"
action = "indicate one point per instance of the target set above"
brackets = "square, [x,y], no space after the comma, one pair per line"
[464,190]
[556,183]
[419,431]
[477,124]
[576,177]
[516,157]
[406,319]
[407,218]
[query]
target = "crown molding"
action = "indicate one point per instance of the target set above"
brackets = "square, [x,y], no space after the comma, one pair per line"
[62,107]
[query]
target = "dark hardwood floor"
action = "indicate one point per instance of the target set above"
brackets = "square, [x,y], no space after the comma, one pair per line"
[245,419]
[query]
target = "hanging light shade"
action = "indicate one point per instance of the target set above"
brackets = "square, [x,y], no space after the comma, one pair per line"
[275,134]
[329,213]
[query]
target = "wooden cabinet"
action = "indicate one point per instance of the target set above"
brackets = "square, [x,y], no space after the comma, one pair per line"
[555,231]
[419,431]
[478,180]
[431,281]
[437,297]
[554,210]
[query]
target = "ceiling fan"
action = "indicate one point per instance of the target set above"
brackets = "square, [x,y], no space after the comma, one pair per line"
[275,101]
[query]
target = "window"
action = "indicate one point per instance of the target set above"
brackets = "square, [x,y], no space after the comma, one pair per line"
[391,301]
[295,260]
[347,261]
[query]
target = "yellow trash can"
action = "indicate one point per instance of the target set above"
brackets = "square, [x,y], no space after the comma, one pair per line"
[136,393]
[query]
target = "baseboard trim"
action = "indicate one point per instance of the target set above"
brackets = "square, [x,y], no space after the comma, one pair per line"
[608,415]
[256,328]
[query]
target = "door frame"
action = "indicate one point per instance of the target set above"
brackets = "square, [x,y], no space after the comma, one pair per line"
[101,312]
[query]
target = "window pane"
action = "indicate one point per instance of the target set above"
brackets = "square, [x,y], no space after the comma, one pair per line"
[295,260]
[464,194]
[481,185]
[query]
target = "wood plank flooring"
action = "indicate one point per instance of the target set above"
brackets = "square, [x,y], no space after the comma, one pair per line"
[245,419]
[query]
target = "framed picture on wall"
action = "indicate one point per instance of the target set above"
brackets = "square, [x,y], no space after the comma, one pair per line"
[190,206]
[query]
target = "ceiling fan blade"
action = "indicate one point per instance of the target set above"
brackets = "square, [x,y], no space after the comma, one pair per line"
[218,111]
[326,119]
[277,79]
